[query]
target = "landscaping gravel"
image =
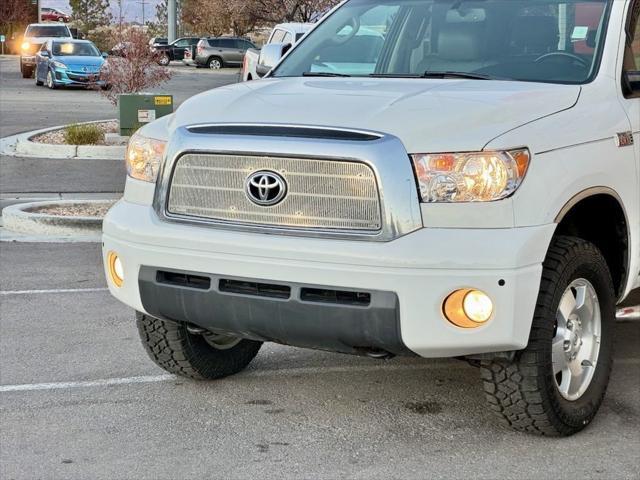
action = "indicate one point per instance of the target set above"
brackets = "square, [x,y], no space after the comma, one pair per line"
[56,137]
[93,210]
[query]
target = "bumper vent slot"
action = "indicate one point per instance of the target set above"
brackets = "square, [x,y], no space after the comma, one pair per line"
[339,297]
[183,280]
[255,289]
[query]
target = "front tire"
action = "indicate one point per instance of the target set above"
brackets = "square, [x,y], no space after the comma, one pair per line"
[164,60]
[191,353]
[27,72]
[556,385]
[215,63]
[51,83]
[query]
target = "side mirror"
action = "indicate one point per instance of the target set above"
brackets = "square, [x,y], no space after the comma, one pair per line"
[105,54]
[632,83]
[270,56]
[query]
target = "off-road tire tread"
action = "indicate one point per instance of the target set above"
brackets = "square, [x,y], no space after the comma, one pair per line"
[173,348]
[515,390]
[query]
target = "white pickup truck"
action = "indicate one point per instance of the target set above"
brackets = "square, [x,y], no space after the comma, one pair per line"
[35,36]
[462,183]
[284,33]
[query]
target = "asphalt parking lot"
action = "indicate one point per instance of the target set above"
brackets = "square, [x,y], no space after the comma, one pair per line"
[80,399]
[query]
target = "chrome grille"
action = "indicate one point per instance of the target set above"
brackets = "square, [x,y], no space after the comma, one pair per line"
[322,194]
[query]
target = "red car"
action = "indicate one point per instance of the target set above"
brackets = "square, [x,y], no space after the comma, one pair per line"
[54,15]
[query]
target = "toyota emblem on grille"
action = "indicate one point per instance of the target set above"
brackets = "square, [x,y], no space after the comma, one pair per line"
[265,188]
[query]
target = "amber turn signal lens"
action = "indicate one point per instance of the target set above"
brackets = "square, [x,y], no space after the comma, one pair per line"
[468,308]
[116,271]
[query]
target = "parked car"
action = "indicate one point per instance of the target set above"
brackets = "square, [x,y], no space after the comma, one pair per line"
[174,50]
[120,49]
[469,187]
[220,52]
[158,41]
[48,14]
[285,33]
[62,63]
[34,36]
[189,57]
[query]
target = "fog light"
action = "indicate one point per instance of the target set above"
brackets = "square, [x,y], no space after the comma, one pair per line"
[116,271]
[468,308]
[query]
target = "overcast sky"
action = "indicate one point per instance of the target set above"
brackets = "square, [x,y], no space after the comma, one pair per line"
[132,9]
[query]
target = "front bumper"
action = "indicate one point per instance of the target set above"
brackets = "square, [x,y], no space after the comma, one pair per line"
[67,78]
[420,270]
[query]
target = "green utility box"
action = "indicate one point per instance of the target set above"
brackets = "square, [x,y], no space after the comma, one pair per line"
[140,108]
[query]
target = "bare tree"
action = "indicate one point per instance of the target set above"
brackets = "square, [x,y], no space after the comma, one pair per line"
[217,17]
[134,72]
[15,15]
[276,11]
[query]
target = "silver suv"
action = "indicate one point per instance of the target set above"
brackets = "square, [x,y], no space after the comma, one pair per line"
[219,52]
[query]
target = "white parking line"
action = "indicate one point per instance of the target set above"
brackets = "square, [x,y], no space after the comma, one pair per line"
[109,382]
[63,290]
[30,387]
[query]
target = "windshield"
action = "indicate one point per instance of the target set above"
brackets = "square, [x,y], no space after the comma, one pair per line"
[47,31]
[75,49]
[528,40]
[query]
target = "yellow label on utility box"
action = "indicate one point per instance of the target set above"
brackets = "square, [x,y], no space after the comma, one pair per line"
[163,100]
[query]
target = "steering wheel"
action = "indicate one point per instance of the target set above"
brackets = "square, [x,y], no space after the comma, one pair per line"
[354,23]
[575,58]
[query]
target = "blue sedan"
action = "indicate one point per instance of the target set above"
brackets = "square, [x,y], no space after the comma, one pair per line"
[69,63]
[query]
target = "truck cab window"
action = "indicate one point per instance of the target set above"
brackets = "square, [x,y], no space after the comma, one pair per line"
[552,41]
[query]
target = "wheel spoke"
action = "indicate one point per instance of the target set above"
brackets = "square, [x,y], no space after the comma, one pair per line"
[567,307]
[585,308]
[566,382]
[558,356]
[576,368]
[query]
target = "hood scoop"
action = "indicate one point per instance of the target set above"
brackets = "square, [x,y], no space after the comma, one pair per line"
[289,131]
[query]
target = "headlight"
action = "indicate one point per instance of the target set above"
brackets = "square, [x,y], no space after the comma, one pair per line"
[144,156]
[59,65]
[26,46]
[470,177]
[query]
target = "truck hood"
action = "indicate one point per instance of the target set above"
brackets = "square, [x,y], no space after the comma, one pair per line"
[427,115]
[41,40]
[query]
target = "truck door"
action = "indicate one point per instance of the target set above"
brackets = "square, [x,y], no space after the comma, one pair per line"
[631,83]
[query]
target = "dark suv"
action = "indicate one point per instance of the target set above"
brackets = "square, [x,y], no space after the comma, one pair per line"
[219,52]
[174,50]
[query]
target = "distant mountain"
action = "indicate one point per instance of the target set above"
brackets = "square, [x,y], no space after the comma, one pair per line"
[131,9]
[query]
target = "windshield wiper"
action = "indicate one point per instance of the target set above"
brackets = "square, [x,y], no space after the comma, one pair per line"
[394,75]
[435,74]
[446,74]
[324,74]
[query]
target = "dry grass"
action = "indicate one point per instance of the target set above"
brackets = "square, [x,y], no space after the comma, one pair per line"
[87,134]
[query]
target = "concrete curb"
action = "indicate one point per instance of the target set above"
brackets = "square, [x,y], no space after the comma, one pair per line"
[21,145]
[20,219]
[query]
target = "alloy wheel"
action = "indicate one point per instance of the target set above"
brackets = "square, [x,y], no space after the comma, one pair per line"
[576,343]
[50,82]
